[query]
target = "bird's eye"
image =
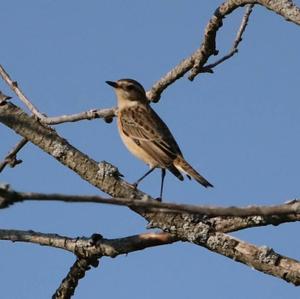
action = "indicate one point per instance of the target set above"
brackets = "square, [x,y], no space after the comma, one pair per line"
[130,87]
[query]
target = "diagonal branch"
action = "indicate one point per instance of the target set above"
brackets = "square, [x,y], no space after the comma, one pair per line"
[231,224]
[263,259]
[68,285]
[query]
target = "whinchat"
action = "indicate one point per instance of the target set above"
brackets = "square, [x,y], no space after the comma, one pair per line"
[146,135]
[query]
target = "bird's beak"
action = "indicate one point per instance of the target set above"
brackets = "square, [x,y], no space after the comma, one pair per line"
[112,83]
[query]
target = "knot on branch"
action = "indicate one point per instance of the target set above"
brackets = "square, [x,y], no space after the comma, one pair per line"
[108,119]
[295,204]
[106,114]
[222,243]
[107,169]
[89,249]
[198,234]
[268,256]
[60,150]
[93,248]
[13,161]
[7,197]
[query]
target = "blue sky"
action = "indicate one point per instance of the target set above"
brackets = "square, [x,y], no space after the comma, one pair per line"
[239,127]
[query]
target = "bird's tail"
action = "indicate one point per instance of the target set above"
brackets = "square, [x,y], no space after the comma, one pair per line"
[185,167]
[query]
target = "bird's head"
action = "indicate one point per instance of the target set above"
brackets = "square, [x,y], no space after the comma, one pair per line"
[129,90]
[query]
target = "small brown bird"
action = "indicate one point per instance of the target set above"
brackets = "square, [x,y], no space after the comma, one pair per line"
[146,135]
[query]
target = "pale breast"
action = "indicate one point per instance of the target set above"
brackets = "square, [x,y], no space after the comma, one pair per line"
[135,149]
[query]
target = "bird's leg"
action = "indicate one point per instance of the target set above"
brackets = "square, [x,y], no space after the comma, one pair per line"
[163,174]
[141,178]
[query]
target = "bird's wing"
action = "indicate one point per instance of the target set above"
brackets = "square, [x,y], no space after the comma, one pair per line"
[149,132]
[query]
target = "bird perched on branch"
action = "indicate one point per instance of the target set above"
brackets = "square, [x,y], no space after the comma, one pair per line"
[146,135]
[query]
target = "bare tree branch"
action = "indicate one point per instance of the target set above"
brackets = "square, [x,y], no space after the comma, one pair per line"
[11,158]
[225,223]
[197,60]
[68,285]
[88,250]
[230,224]
[94,247]
[107,114]
[186,227]
[14,86]
[8,197]
[285,8]
[262,258]
[208,68]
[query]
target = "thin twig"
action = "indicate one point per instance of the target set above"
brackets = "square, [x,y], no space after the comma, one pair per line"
[220,223]
[198,59]
[293,207]
[14,87]
[107,114]
[11,158]
[208,68]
